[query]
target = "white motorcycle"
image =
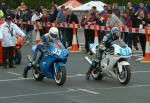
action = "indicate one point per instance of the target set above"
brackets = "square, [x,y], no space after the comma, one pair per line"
[114,63]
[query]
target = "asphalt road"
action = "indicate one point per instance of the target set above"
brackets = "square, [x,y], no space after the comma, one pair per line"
[15,89]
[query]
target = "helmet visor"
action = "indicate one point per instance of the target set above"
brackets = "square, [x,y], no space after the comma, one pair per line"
[54,36]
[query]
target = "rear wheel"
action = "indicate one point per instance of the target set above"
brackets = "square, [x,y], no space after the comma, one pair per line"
[60,76]
[125,75]
[96,74]
[37,75]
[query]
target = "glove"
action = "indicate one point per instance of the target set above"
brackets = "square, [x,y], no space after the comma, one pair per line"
[102,47]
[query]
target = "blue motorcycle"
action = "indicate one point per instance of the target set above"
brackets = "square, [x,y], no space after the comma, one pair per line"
[51,63]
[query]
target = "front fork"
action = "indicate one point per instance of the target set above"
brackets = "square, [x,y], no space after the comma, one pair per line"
[93,65]
[30,65]
[96,62]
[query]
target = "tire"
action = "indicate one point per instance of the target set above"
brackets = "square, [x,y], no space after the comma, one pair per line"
[96,74]
[60,77]
[37,76]
[125,76]
[18,56]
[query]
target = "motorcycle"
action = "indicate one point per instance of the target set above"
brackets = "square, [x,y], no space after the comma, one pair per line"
[17,51]
[51,63]
[114,63]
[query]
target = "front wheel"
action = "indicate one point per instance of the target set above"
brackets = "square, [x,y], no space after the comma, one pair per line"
[125,75]
[60,76]
[96,74]
[37,75]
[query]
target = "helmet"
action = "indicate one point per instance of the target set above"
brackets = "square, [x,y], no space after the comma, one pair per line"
[115,33]
[53,33]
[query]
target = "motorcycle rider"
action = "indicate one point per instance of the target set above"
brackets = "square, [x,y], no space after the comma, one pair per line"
[106,42]
[49,37]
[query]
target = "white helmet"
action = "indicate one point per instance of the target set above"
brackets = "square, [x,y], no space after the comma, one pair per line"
[53,33]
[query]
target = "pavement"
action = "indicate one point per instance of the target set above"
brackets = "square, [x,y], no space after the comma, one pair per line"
[15,89]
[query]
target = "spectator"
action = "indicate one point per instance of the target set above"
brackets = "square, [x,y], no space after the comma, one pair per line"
[142,7]
[131,12]
[128,23]
[101,22]
[37,17]
[142,21]
[61,18]
[113,20]
[8,34]
[41,7]
[71,17]
[45,19]
[54,13]
[104,13]
[84,21]
[91,21]
[4,7]
[20,10]
[28,28]
[130,9]
[116,10]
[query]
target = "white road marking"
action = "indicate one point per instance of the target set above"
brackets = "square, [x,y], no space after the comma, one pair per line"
[69,76]
[88,91]
[76,75]
[79,75]
[8,80]
[21,78]
[72,89]
[123,87]
[14,73]
[134,72]
[36,94]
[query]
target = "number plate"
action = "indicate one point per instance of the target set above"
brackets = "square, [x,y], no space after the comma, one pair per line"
[56,51]
[124,52]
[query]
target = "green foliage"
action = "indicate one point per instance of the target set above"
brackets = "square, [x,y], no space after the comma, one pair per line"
[47,3]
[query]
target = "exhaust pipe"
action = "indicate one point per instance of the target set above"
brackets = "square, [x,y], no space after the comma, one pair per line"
[88,60]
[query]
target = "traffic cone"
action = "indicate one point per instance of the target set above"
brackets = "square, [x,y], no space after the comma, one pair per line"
[37,40]
[147,49]
[96,34]
[74,47]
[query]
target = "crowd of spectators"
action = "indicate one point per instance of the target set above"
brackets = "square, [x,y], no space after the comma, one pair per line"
[111,16]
